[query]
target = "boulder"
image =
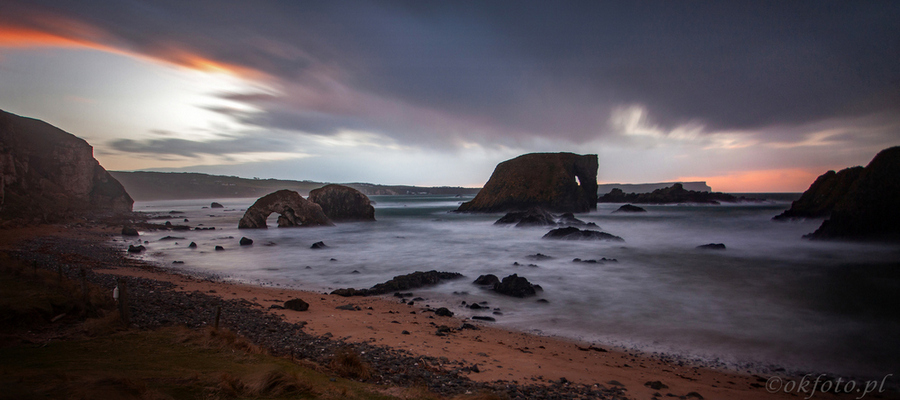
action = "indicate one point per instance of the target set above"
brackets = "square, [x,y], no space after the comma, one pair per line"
[557,182]
[216,205]
[671,195]
[534,216]
[712,246]
[296,305]
[47,174]
[245,241]
[219,248]
[192,245]
[443,312]
[572,233]
[343,204]
[136,249]
[293,210]
[823,195]
[869,210]
[489,279]
[516,286]
[129,231]
[628,208]
[318,245]
[568,219]
[401,282]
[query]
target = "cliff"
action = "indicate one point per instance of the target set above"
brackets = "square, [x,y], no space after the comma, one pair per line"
[670,195]
[48,174]
[557,182]
[823,195]
[869,210]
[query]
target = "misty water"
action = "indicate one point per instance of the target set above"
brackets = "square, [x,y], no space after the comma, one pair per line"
[772,299]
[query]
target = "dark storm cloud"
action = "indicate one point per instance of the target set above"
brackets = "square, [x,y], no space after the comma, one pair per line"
[499,70]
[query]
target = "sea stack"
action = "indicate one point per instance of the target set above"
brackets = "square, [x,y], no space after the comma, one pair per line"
[556,182]
[48,174]
[293,210]
[343,204]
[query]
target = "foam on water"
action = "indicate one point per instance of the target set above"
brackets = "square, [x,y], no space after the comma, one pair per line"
[770,298]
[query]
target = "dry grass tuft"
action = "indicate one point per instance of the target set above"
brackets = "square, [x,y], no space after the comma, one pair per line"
[348,364]
[217,339]
[269,383]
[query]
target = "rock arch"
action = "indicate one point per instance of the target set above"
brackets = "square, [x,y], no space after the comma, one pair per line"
[293,210]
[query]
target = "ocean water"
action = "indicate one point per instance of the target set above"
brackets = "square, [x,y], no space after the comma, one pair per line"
[772,299]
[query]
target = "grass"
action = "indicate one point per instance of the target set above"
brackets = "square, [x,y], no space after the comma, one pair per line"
[88,354]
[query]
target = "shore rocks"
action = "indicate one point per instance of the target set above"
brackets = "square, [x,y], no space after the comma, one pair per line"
[401,282]
[670,195]
[516,286]
[712,246]
[245,241]
[823,195]
[296,305]
[628,208]
[216,205]
[343,204]
[443,312]
[129,231]
[47,174]
[572,233]
[869,210]
[136,249]
[558,182]
[193,245]
[293,210]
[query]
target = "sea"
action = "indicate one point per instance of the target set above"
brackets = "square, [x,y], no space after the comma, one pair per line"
[771,300]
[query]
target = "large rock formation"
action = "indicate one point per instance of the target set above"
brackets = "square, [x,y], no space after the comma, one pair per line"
[47,174]
[823,195]
[292,208]
[342,203]
[670,195]
[869,210]
[558,182]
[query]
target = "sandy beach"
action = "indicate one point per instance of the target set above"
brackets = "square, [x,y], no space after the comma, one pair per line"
[496,354]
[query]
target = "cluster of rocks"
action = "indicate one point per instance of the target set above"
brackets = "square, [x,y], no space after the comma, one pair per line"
[674,194]
[512,285]
[156,304]
[536,216]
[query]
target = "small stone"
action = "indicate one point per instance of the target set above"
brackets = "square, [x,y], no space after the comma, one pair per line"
[219,248]
[245,241]
[296,305]
[443,312]
[319,245]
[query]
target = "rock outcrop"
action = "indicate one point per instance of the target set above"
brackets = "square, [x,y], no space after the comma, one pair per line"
[516,286]
[534,216]
[293,210]
[557,182]
[343,204]
[48,174]
[628,208]
[823,195]
[572,233]
[401,282]
[670,195]
[869,210]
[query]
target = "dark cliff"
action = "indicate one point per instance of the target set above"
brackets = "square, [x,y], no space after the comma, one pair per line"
[823,195]
[557,182]
[48,174]
[869,210]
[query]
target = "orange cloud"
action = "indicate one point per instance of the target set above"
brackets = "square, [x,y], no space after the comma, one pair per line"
[72,34]
[772,180]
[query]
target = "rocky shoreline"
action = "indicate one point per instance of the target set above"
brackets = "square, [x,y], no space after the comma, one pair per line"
[155,304]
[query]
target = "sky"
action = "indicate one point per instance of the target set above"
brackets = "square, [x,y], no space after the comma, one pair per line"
[755,96]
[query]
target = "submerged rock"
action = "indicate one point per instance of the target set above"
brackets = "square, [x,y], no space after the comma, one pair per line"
[489,279]
[245,241]
[136,249]
[129,231]
[216,205]
[293,210]
[628,208]
[572,233]
[712,246]
[318,245]
[343,204]
[401,282]
[534,216]
[558,182]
